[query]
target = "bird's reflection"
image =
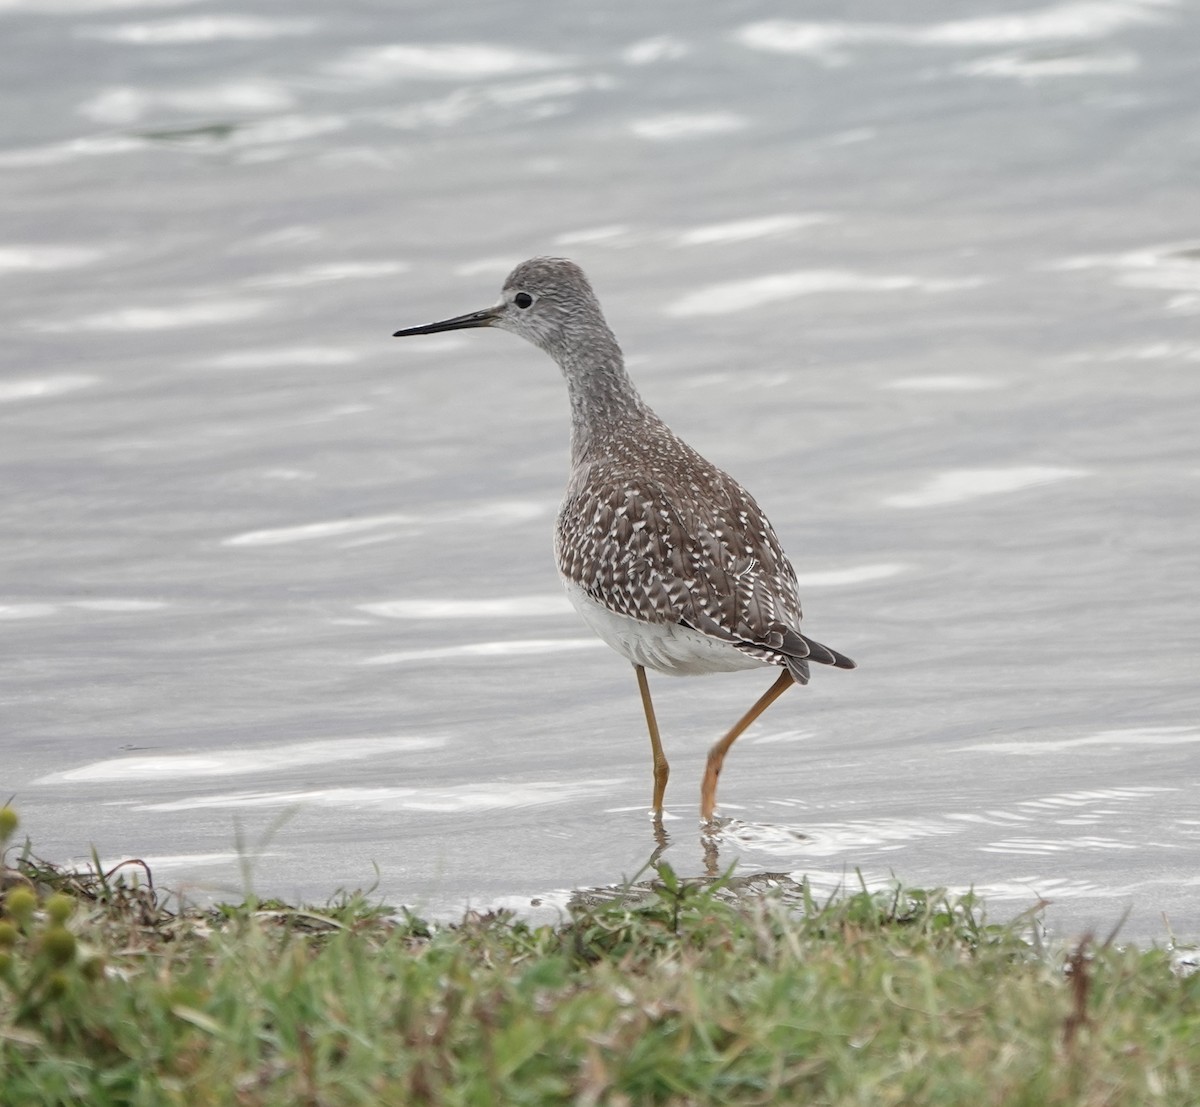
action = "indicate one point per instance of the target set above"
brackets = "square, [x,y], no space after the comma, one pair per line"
[648,884]
[710,839]
[661,839]
[709,844]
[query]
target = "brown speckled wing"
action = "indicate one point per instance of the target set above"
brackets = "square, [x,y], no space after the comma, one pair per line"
[694,549]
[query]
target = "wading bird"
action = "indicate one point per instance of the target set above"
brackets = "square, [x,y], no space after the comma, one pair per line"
[667,558]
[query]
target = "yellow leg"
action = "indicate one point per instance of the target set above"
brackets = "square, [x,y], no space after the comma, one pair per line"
[661,769]
[716,755]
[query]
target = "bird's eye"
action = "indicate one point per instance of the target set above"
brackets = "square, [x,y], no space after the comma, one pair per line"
[522,299]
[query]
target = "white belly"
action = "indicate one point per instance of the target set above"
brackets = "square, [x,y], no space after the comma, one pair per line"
[664,647]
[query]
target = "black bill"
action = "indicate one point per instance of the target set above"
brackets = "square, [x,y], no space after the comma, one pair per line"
[483,318]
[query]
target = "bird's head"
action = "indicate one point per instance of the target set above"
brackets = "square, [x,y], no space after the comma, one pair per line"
[545,300]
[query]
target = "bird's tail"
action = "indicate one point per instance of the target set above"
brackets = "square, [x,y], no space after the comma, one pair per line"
[797,646]
[810,650]
[823,654]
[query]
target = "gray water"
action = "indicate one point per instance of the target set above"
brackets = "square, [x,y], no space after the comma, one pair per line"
[276,592]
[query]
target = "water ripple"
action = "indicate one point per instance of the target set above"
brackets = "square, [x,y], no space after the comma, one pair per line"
[289,356]
[1171,268]
[959,485]
[240,762]
[608,233]
[647,51]
[492,796]
[57,153]
[125,105]
[78,7]
[36,259]
[945,383]
[536,99]
[830,839]
[1115,740]
[623,236]
[490,511]
[328,271]
[731,296]
[43,610]
[1041,846]
[40,387]
[451,61]
[1032,67]
[854,574]
[1077,21]
[506,607]
[158,862]
[213,28]
[1150,351]
[677,125]
[514,647]
[308,532]
[1039,887]
[207,313]
[742,230]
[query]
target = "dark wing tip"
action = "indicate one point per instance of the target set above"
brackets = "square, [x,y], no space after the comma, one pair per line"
[823,654]
[797,645]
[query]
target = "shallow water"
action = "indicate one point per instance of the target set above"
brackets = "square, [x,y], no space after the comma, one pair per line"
[276,595]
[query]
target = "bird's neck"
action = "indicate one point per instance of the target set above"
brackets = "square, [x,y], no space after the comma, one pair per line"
[603,398]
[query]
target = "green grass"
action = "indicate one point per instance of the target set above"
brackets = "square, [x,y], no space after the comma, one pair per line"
[682,994]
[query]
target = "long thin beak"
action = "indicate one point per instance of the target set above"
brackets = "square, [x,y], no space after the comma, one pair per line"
[483,318]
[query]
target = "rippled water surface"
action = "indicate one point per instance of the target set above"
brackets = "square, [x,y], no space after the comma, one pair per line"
[276,592]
